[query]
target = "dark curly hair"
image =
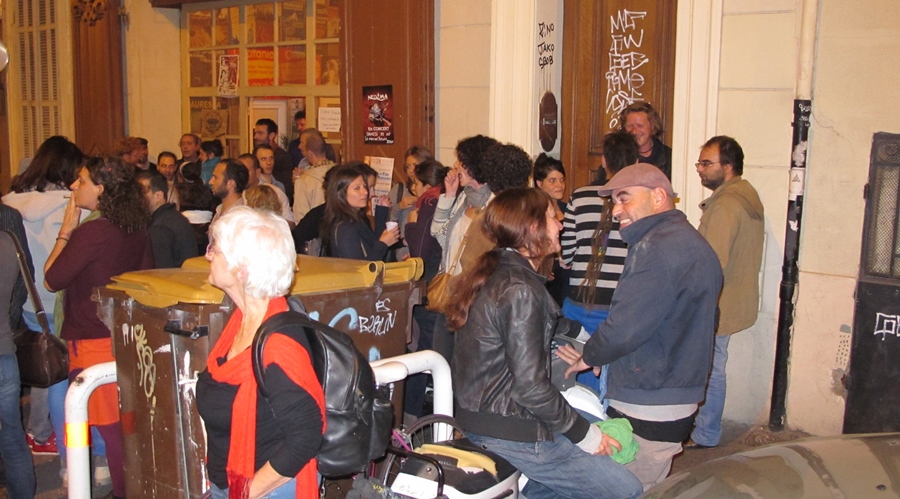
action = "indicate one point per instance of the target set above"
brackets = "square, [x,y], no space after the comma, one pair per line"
[122,200]
[544,164]
[55,164]
[470,151]
[506,166]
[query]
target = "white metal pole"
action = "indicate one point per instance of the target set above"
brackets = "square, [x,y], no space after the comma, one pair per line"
[78,461]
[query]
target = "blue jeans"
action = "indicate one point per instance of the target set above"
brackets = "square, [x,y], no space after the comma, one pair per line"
[590,320]
[708,424]
[286,491]
[559,469]
[20,482]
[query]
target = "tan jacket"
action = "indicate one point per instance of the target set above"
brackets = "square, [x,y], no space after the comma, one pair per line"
[732,223]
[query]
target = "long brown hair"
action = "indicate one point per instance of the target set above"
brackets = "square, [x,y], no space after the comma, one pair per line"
[55,165]
[516,219]
[337,209]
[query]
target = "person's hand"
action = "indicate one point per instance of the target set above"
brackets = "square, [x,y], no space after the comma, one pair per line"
[407,202]
[383,201]
[413,216]
[296,173]
[608,445]
[574,359]
[451,183]
[390,236]
[71,218]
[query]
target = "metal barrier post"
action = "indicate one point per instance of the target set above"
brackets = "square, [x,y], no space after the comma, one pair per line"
[78,461]
[398,368]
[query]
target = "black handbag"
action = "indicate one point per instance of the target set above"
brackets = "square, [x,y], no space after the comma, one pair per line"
[43,358]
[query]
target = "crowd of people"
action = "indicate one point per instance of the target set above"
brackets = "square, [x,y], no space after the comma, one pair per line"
[614,266]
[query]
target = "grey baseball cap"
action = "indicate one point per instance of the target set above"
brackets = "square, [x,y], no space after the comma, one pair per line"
[640,174]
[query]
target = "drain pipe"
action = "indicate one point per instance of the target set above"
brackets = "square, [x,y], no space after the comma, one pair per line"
[789,270]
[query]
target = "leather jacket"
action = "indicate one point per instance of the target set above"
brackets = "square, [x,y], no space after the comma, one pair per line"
[501,363]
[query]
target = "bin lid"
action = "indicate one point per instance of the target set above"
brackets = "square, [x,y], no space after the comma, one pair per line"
[165,287]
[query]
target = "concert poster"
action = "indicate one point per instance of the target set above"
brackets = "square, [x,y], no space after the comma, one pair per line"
[378,114]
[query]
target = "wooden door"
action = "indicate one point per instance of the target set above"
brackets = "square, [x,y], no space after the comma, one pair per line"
[614,52]
[99,78]
[388,43]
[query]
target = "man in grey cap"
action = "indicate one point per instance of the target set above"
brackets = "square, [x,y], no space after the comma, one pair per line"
[658,338]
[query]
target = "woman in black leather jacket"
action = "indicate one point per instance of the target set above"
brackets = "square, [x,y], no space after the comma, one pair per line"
[505,318]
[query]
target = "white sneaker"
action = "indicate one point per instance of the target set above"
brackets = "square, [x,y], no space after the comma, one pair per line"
[102,477]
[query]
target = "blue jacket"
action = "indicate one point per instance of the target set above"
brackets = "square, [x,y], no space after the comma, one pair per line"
[658,338]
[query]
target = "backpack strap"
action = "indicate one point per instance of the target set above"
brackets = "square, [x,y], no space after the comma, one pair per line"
[290,323]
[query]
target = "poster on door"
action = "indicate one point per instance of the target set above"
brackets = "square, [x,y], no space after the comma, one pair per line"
[379,114]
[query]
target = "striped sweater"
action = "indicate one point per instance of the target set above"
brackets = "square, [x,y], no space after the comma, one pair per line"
[581,220]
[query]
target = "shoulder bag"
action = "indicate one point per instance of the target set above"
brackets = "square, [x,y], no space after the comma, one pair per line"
[439,288]
[43,358]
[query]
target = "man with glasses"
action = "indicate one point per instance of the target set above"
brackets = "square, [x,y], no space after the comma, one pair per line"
[732,223]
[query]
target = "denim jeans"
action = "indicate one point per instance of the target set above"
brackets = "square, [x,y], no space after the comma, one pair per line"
[286,491]
[708,424]
[559,469]
[590,320]
[20,481]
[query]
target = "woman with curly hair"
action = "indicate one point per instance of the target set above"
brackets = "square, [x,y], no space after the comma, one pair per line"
[86,256]
[346,232]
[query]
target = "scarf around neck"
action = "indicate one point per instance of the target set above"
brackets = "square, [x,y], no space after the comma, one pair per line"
[294,360]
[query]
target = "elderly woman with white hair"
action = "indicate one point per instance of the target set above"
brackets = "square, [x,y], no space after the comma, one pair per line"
[258,447]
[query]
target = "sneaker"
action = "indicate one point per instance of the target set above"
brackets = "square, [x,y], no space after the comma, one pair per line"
[45,449]
[102,477]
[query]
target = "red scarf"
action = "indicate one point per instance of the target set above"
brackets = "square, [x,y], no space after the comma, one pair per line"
[431,194]
[294,360]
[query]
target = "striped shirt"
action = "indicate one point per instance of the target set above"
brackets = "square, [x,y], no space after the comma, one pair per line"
[581,220]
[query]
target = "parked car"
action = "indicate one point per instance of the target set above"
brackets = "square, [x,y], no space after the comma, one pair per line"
[848,466]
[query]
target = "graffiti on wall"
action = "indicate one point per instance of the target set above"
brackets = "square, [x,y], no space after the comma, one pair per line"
[624,79]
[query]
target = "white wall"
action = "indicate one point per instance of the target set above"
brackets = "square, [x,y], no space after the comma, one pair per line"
[735,72]
[756,90]
[153,76]
[463,59]
[855,95]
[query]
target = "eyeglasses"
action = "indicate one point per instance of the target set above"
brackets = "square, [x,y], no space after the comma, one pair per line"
[705,163]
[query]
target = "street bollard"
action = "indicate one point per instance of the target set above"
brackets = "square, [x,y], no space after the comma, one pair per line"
[78,461]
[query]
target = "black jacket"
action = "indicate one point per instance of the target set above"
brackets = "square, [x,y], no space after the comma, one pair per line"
[172,236]
[501,363]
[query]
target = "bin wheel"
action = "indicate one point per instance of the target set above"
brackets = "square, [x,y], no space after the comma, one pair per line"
[422,431]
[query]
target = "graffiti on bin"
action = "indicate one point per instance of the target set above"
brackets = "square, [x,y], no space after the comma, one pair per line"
[378,323]
[146,366]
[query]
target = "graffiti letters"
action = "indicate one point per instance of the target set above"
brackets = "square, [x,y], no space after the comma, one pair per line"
[545,48]
[378,323]
[887,325]
[624,82]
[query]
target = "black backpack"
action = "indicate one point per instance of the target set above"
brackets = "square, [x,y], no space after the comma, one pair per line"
[357,413]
